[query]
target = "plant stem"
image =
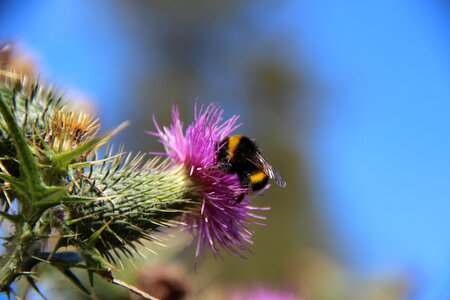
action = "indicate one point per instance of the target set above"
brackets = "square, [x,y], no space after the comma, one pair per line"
[17,259]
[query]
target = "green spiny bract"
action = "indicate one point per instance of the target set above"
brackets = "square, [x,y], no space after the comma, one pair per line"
[131,199]
[32,107]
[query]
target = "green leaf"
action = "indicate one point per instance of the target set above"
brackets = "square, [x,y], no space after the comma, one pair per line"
[64,159]
[90,242]
[61,199]
[53,196]
[28,166]
[74,279]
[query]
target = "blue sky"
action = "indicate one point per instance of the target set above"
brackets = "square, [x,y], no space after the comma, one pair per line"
[380,152]
[383,143]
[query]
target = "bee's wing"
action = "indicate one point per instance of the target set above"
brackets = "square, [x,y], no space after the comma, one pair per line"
[270,171]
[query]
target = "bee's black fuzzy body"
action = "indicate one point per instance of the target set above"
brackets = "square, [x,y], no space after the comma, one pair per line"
[240,155]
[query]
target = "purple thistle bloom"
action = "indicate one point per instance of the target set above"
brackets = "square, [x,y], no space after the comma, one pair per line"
[220,219]
[263,293]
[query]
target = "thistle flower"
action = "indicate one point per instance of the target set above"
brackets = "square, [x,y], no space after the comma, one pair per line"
[54,183]
[67,130]
[219,221]
[263,293]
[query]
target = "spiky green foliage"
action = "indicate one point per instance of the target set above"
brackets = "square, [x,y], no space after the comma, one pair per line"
[53,184]
[30,107]
[132,199]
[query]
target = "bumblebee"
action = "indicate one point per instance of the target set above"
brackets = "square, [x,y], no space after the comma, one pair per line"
[239,155]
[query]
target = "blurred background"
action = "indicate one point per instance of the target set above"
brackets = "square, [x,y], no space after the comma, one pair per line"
[350,100]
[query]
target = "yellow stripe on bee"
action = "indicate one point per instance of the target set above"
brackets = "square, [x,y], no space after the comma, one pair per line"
[258,177]
[233,142]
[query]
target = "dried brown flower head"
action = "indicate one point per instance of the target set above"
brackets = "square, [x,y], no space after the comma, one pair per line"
[66,130]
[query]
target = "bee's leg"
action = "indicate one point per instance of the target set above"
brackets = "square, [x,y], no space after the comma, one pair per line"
[245,183]
[224,166]
[240,198]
